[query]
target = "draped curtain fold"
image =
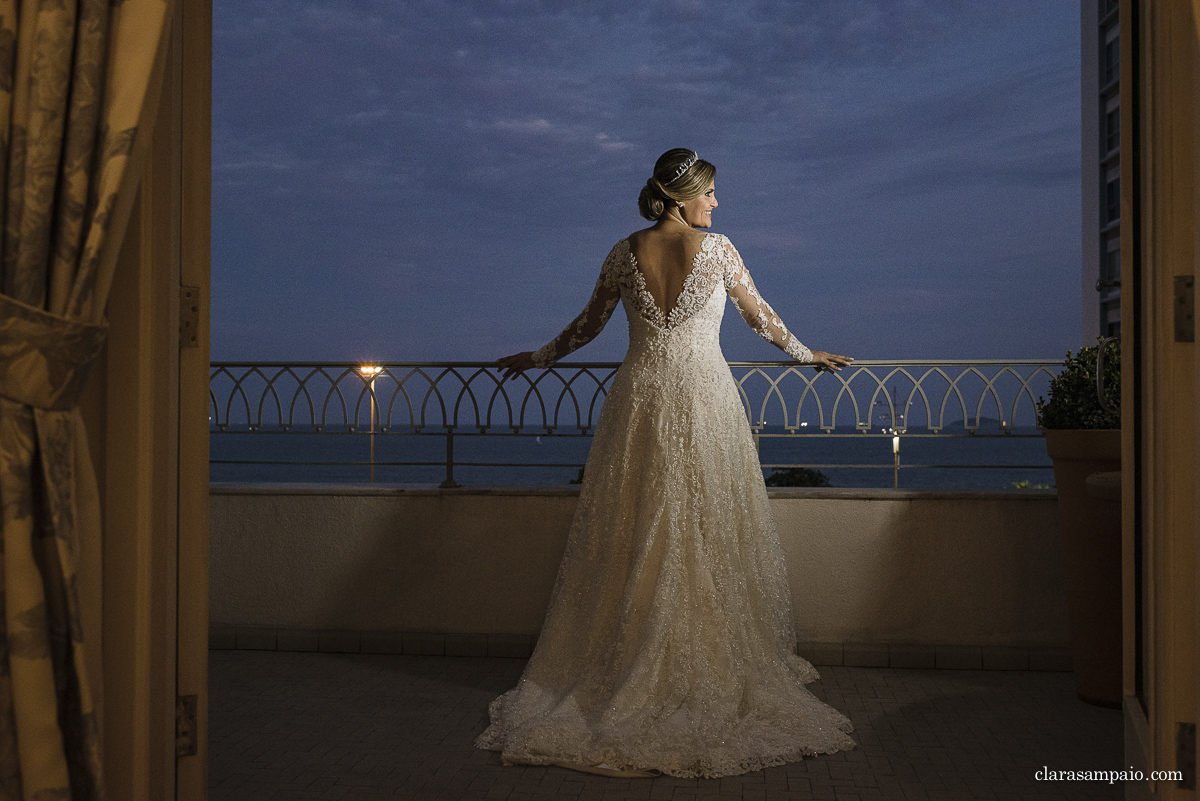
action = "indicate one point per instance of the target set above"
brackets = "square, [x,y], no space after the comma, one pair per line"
[75,78]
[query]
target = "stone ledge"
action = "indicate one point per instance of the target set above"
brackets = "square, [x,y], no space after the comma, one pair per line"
[796,493]
[519,646]
[385,490]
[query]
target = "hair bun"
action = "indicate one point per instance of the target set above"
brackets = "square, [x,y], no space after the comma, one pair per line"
[651,203]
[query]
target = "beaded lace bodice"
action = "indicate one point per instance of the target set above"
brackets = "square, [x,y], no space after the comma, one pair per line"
[698,304]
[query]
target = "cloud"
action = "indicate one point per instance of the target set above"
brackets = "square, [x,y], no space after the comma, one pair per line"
[538,126]
[613,145]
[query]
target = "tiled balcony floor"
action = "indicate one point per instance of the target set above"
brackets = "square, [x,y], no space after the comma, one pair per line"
[356,726]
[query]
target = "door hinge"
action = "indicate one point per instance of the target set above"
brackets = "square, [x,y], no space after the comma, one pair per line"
[1185,754]
[1185,308]
[189,316]
[185,726]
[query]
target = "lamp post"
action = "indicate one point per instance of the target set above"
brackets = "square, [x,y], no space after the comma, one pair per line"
[895,459]
[370,372]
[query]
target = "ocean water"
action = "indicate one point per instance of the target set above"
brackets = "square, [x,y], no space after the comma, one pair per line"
[303,457]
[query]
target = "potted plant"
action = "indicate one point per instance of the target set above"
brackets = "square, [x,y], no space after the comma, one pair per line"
[1084,439]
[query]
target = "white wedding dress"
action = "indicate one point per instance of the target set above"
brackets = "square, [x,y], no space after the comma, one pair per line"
[669,644]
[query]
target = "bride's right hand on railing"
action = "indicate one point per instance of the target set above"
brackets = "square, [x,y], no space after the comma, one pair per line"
[830,362]
[516,364]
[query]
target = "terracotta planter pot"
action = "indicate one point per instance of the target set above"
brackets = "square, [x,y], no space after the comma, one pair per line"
[1091,538]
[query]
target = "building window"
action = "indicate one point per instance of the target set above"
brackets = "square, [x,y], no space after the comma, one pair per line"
[1112,200]
[1107,7]
[1112,60]
[1110,317]
[1112,130]
[1112,266]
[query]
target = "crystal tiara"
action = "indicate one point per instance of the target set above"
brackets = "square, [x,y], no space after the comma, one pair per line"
[687,165]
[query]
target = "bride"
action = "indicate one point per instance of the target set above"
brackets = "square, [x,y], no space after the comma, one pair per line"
[668,645]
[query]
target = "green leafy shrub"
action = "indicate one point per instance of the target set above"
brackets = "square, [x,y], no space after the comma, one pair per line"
[1073,402]
[1026,485]
[797,477]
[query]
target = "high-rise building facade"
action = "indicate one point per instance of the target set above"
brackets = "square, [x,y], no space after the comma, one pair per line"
[1101,128]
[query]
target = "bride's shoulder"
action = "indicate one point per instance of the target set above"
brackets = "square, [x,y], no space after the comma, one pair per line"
[713,242]
[717,238]
[618,255]
[636,236]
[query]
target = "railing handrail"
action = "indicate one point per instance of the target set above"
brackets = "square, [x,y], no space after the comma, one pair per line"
[732,363]
[446,398]
[472,396]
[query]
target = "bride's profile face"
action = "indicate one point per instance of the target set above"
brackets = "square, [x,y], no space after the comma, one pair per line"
[697,212]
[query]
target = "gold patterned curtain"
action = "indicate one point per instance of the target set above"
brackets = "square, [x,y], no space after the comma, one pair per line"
[75,78]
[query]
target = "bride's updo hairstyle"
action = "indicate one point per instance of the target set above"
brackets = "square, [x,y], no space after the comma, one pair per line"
[679,175]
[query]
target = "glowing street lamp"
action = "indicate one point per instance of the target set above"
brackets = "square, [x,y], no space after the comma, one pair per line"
[369,373]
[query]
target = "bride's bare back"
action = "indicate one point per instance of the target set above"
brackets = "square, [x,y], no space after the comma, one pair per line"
[665,257]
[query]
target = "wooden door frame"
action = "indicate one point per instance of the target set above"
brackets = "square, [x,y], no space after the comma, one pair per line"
[1160,129]
[194,35]
[146,408]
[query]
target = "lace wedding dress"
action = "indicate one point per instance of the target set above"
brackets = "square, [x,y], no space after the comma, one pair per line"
[668,643]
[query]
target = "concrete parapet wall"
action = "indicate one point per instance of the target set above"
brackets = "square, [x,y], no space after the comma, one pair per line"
[867,567]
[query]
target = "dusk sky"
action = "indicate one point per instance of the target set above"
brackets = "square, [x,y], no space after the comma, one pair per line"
[441,180]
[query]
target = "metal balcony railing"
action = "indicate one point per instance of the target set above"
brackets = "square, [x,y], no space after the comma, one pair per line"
[783,400]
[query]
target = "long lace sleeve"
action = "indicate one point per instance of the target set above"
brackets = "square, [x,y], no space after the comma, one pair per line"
[590,322]
[754,310]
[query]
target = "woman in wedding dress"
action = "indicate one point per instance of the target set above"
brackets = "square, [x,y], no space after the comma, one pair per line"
[668,645]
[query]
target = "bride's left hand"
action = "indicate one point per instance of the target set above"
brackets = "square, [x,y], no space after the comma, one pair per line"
[516,364]
[829,362]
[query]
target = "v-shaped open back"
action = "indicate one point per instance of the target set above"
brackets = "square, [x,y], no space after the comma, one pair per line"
[675,284]
[677,288]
